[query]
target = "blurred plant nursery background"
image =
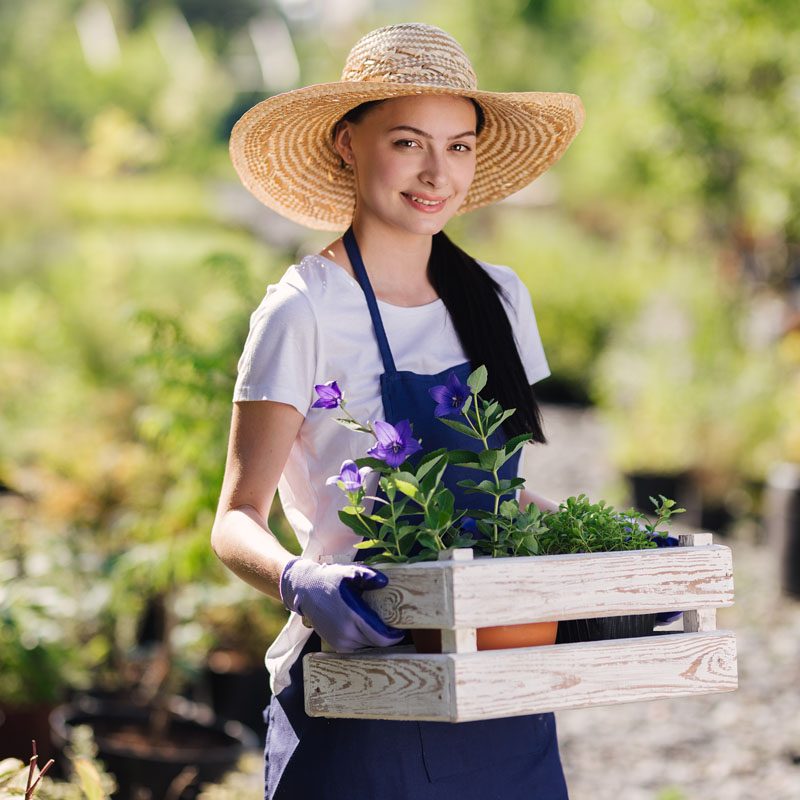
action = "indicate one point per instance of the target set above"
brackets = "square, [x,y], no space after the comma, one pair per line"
[663,259]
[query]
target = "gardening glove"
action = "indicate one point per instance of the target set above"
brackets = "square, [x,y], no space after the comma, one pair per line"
[329,597]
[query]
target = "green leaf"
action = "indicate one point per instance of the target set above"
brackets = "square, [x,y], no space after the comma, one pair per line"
[514,444]
[499,421]
[427,540]
[486,487]
[354,426]
[430,461]
[369,543]
[464,458]
[375,463]
[460,427]
[91,783]
[354,510]
[477,379]
[355,524]
[488,459]
[406,483]
[389,488]
[510,509]
[432,477]
[512,483]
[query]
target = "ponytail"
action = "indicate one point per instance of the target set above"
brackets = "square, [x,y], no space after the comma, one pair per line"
[473,299]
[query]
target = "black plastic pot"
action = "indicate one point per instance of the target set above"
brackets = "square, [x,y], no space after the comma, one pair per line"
[198,740]
[782,520]
[717,518]
[595,630]
[238,692]
[678,486]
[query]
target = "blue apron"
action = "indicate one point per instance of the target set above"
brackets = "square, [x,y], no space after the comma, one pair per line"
[513,758]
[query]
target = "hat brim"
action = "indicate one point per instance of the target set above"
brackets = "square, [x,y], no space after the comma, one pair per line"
[282,149]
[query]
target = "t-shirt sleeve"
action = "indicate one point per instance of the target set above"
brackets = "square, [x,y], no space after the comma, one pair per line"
[279,358]
[529,342]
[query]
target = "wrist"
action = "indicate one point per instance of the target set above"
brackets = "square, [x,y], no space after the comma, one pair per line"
[286,585]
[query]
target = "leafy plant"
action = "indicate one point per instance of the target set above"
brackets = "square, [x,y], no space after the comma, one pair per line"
[415,519]
[580,526]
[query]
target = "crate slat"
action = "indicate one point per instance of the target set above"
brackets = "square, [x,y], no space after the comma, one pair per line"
[464,594]
[499,683]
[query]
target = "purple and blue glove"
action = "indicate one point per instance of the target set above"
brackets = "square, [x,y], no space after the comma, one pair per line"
[329,597]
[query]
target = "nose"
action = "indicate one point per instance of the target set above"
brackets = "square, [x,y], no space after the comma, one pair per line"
[434,171]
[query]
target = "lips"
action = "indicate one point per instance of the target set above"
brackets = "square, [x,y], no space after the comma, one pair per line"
[426,204]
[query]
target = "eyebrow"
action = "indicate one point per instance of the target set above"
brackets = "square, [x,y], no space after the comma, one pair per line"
[427,135]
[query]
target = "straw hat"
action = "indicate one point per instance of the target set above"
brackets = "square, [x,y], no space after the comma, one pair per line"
[282,148]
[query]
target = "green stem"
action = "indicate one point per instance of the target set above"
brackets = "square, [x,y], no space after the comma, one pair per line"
[353,419]
[496,505]
[485,441]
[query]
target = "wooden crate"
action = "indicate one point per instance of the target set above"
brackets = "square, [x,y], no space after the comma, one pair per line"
[461,594]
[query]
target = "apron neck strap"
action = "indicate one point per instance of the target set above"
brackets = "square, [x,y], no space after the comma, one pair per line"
[377,323]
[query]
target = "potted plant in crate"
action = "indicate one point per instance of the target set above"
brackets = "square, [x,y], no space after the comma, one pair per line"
[413,517]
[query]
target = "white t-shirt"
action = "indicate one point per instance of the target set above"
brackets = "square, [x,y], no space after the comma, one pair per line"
[313,326]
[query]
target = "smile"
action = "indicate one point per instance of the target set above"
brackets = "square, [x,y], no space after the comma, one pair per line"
[428,206]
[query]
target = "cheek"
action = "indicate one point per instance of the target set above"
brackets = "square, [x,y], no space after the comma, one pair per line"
[388,174]
[466,173]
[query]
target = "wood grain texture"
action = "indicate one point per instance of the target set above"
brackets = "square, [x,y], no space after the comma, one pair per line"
[404,685]
[487,591]
[459,640]
[501,683]
[535,680]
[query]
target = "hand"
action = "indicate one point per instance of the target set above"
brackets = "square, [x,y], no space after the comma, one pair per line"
[329,596]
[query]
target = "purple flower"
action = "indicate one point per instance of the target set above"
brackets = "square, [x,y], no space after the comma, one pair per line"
[351,476]
[451,397]
[395,442]
[330,396]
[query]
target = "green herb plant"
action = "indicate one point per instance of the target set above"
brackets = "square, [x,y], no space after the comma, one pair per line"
[415,519]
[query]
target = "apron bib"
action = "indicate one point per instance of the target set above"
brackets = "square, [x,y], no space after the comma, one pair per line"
[513,758]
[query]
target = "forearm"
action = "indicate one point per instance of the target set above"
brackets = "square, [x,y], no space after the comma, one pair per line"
[527,496]
[242,541]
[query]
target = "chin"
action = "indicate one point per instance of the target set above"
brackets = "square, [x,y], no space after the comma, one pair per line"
[425,225]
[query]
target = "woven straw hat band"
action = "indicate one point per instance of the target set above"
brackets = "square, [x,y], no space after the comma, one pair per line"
[410,53]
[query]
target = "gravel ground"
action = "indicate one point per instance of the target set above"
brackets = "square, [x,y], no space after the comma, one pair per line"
[742,745]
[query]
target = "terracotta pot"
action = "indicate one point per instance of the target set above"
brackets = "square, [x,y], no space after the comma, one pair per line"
[496,637]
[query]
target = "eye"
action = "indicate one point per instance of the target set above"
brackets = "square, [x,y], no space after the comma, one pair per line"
[403,142]
[466,149]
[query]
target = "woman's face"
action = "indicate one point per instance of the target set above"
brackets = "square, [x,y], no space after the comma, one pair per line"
[413,159]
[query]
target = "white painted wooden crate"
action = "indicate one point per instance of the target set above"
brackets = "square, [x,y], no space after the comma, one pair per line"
[461,594]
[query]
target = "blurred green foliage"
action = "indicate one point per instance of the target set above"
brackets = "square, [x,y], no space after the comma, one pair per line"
[661,254]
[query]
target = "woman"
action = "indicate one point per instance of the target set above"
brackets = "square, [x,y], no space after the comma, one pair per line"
[402,143]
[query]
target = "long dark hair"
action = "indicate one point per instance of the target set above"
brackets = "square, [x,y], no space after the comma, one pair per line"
[473,299]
